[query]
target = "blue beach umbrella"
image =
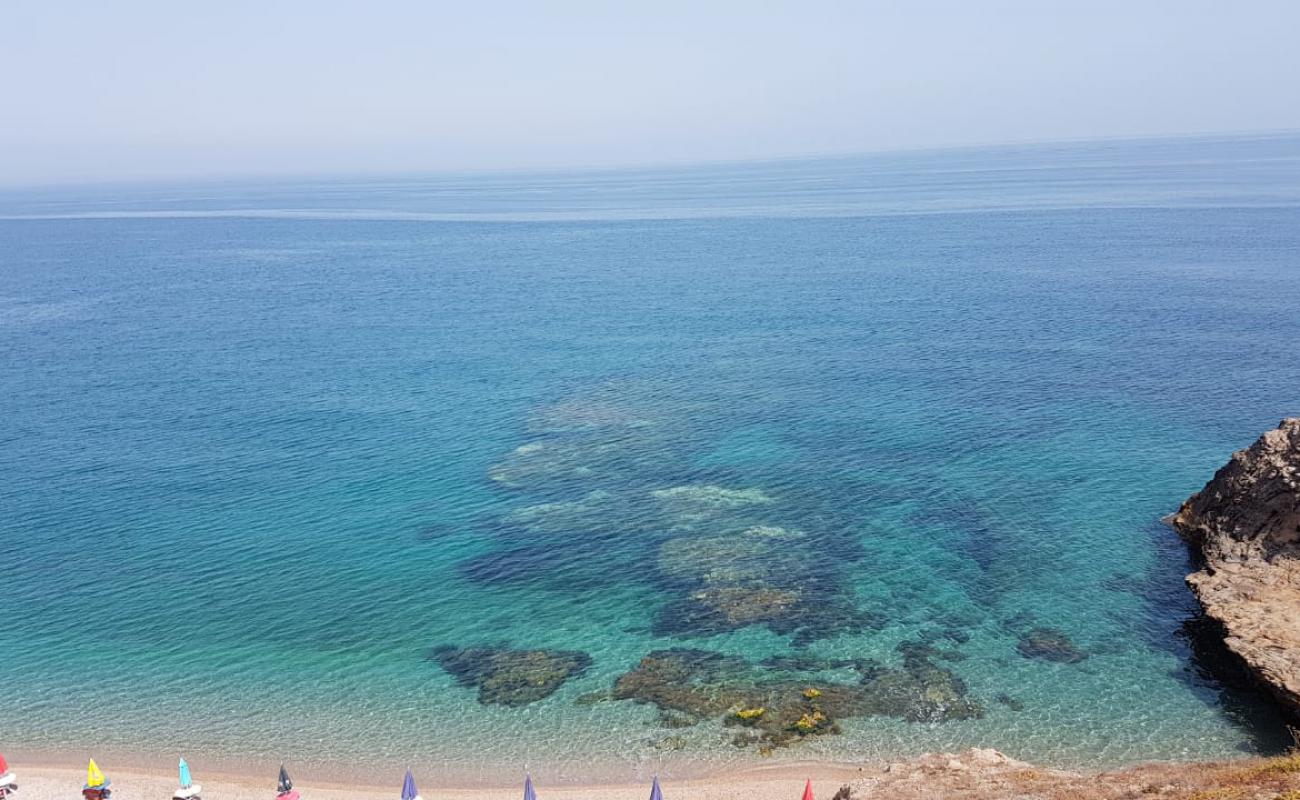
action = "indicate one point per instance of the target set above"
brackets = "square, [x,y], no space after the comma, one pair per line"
[186,779]
[655,794]
[529,793]
[409,791]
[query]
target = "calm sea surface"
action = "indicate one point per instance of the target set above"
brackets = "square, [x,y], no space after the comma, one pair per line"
[899,429]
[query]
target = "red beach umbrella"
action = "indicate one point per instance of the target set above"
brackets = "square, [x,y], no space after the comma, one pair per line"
[807,790]
[4,765]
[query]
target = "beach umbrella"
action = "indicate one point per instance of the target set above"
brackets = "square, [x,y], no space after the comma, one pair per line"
[186,780]
[529,793]
[409,791]
[94,777]
[655,793]
[4,765]
[285,786]
[807,790]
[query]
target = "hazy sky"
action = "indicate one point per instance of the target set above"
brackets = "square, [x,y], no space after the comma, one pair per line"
[140,89]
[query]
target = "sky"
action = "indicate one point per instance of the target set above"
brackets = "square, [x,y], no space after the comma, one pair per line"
[143,89]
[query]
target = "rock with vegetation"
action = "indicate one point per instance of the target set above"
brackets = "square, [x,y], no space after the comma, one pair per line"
[509,677]
[1244,527]
[775,708]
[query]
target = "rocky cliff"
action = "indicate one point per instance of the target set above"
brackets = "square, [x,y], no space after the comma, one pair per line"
[1245,524]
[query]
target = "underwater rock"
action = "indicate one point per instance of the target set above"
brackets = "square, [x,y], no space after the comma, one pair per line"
[1050,644]
[1010,702]
[1019,622]
[823,614]
[666,743]
[799,662]
[787,612]
[582,415]
[750,714]
[758,575]
[697,683]
[920,692]
[585,461]
[670,720]
[700,502]
[925,649]
[956,635]
[548,461]
[597,511]
[722,609]
[778,711]
[588,699]
[1244,527]
[510,677]
[715,559]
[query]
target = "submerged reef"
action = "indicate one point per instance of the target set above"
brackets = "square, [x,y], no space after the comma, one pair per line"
[596,512]
[696,503]
[510,677]
[757,575]
[725,555]
[608,480]
[774,707]
[607,410]
[566,462]
[594,440]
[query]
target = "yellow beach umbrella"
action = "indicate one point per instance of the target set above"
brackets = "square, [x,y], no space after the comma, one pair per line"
[93,776]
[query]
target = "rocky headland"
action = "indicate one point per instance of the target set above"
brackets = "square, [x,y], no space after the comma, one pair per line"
[1244,527]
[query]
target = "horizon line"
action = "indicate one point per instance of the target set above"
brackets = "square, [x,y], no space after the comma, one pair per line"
[630,166]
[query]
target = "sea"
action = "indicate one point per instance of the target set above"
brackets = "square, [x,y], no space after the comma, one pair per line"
[610,473]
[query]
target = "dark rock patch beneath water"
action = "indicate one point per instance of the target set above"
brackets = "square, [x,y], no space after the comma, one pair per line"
[739,575]
[509,677]
[779,710]
[1049,644]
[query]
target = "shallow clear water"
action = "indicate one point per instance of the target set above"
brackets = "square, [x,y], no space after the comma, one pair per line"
[260,446]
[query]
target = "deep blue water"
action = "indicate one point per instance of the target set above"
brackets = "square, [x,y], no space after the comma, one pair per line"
[260,446]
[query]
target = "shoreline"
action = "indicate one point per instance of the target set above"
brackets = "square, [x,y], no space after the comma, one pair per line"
[977,774]
[41,781]
[258,775]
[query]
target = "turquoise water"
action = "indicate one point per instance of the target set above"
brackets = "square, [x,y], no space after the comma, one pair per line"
[261,448]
